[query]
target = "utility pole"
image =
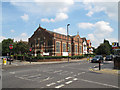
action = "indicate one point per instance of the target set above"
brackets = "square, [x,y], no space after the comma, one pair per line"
[67,41]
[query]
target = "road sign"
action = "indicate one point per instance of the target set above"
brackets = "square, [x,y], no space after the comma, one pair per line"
[10,46]
[30,49]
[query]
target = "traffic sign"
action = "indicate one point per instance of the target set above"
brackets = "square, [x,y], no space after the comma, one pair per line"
[30,49]
[10,46]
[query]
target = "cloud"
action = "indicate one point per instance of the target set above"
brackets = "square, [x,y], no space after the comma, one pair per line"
[43,7]
[101,30]
[85,25]
[60,30]
[12,31]
[22,36]
[25,17]
[59,17]
[101,6]
[2,38]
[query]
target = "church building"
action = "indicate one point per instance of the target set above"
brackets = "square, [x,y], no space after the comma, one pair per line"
[44,42]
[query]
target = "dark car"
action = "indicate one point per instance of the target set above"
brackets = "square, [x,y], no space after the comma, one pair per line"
[109,58]
[97,58]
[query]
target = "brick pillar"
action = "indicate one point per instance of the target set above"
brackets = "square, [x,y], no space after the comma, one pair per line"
[35,48]
[61,48]
[54,45]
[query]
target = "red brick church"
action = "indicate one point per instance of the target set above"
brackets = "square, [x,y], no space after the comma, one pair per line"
[50,43]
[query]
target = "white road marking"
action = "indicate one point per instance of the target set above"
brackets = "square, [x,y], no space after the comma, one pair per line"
[25,75]
[83,72]
[68,82]
[59,86]
[12,72]
[75,75]
[60,80]
[34,76]
[46,79]
[50,84]
[71,72]
[68,77]
[100,83]
[57,71]
[75,79]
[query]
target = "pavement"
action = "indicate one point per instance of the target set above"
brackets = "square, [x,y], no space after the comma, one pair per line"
[18,63]
[105,68]
[59,75]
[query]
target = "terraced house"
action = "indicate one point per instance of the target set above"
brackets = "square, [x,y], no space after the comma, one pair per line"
[45,42]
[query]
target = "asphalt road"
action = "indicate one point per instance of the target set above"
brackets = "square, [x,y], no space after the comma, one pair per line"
[59,75]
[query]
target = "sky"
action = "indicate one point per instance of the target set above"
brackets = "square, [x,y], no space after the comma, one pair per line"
[94,20]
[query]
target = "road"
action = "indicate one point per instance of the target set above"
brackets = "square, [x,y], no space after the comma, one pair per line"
[57,75]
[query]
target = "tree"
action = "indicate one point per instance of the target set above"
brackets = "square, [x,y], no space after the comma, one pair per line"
[22,47]
[0,49]
[104,49]
[5,46]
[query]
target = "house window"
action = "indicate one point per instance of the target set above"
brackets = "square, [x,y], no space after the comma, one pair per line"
[76,50]
[49,43]
[36,42]
[69,45]
[57,46]
[64,47]
[80,49]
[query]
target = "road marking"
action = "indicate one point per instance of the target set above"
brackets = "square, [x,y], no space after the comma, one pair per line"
[12,72]
[50,84]
[99,83]
[68,82]
[75,75]
[25,75]
[71,72]
[75,79]
[83,72]
[68,77]
[34,76]
[59,86]
[60,80]
[46,79]
[57,71]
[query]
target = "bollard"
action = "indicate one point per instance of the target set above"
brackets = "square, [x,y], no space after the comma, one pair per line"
[4,61]
[99,65]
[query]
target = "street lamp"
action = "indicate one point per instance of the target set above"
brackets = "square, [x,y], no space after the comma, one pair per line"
[67,41]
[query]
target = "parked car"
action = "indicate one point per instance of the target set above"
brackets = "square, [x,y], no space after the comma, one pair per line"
[9,58]
[97,58]
[109,58]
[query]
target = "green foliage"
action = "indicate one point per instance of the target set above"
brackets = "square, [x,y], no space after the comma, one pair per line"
[22,48]
[0,49]
[104,49]
[18,47]
[5,46]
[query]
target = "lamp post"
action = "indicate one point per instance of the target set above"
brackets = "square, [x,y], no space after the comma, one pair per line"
[67,41]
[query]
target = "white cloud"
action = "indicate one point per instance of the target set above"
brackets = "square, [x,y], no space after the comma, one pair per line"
[109,8]
[2,38]
[59,17]
[101,31]
[22,36]
[25,17]
[43,7]
[12,31]
[85,25]
[90,13]
[60,30]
